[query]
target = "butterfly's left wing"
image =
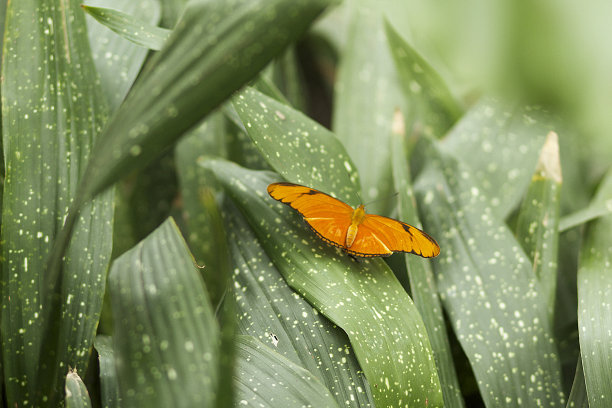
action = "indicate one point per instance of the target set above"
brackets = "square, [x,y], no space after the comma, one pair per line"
[328,217]
[381,236]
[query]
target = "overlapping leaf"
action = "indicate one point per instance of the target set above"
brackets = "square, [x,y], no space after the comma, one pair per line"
[166,337]
[364,299]
[270,311]
[53,108]
[76,392]
[488,288]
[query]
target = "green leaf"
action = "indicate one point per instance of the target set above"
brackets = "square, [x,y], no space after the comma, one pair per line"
[538,220]
[214,50]
[76,392]
[133,29]
[202,221]
[364,299]
[433,107]
[594,311]
[265,306]
[488,288]
[578,395]
[367,93]
[264,378]
[422,280]
[499,144]
[166,337]
[298,148]
[118,60]
[53,108]
[109,384]
[595,210]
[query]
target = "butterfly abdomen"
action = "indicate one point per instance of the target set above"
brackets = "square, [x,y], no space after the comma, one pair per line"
[356,219]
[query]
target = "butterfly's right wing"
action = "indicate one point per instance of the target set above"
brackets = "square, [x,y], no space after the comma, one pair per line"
[328,217]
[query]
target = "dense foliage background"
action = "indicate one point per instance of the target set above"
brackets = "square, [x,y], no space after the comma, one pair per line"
[144,264]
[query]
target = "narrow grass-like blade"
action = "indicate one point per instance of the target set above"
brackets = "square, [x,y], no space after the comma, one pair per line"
[297,147]
[432,105]
[594,304]
[264,378]
[76,392]
[595,210]
[53,108]
[118,60]
[269,310]
[109,385]
[578,395]
[367,92]
[363,298]
[538,220]
[166,337]
[488,288]
[422,281]
[131,28]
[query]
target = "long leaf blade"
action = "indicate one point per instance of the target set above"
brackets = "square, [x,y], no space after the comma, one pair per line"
[365,299]
[264,378]
[52,110]
[489,290]
[165,340]
[212,52]
[594,311]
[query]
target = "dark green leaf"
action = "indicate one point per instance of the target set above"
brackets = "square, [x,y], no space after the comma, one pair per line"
[364,299]
[488,288]
[594,307]
[264,378]
[53,108]
[109,385]
[298,148]
[538,220]
[422,281]
[166,337]
[214,50]
[118,60]
[269,310]
[76,392]
[133,29]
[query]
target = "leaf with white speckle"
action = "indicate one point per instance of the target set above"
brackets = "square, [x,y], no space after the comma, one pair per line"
[129,27]
[487,286]
[595,304]
[166,337]
[268,309]
[297,147]
[364,298]
[52,110]
[118,60]
[499,145]
[420,273]
[264,378]
[76,392]
[109,387]
[433,107]
[367,91]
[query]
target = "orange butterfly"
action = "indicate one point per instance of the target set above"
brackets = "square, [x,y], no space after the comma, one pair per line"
[357,233]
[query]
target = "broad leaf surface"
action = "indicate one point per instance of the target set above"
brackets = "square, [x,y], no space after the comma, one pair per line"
[363,298]
[264,378]
[488,288]
[269,310]
[166,337]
